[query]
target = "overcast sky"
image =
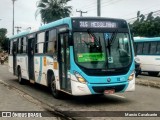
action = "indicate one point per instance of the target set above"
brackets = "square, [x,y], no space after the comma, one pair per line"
[25,10]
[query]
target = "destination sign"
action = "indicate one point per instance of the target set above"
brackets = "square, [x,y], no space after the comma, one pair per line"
[97,24]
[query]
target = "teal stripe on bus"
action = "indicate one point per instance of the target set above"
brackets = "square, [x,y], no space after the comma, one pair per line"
[40,70]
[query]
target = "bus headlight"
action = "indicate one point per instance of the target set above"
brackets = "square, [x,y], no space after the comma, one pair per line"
[131,77]
[79,77]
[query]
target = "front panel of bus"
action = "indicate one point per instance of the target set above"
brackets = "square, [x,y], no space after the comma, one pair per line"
[101,57]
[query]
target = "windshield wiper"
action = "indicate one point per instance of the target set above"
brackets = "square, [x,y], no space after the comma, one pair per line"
[113,37]
[96,42]
[111,40]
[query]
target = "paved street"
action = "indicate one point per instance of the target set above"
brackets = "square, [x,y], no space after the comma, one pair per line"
[145,98]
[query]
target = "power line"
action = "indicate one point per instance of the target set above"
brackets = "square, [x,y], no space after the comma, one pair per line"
[106,2]
[144,15]
[91,4]
[140,11]
[111,3]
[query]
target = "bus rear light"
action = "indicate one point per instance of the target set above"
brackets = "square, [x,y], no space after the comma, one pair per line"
[79,77]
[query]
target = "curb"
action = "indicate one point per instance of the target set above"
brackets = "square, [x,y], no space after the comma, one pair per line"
[34,100]
[148,83]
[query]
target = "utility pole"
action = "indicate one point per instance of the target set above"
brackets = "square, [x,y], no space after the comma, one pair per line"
[81,12]
[13,17]
[98,7]
[18,29]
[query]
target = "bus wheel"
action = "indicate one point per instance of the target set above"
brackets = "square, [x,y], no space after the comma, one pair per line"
[20,79]
[136,74]
[54,91]
[153,73]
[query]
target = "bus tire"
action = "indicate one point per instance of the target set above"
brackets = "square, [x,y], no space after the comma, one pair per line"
[20,79]
[153,73]
[136,74]
[56,93]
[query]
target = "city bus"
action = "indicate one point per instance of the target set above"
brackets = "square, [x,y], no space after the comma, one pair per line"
[147,52]
[76,55]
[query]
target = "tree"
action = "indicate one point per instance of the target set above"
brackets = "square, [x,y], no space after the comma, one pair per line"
[3,39]
[150,17]
[140,17]
[148,27]
[51,10]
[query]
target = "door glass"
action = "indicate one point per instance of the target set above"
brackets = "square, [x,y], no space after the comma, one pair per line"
[64,53]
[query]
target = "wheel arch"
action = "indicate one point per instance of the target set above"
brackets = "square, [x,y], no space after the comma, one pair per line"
[18,67]
[50,72]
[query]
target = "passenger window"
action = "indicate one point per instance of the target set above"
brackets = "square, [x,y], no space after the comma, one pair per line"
[52,42]
[139,48]
[40,42]
[24,47]
[145,48]
[153,48]
[158,48]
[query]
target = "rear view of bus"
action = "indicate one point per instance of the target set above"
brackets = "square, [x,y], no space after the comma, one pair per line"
[101,56]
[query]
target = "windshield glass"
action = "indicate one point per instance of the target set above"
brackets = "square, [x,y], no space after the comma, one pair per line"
[102,50]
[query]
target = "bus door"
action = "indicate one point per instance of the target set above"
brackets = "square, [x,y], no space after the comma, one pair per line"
[14,52]
[31,58]
[64,62]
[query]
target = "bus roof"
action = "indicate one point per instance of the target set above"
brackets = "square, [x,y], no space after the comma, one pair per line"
[66,20]
[147,39]
[44,27]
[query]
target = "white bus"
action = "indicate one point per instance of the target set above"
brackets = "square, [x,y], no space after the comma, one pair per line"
[78,56]
[147,52]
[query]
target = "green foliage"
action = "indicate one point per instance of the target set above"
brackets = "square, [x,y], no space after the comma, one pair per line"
[3,39]
[147,27]
[51,10]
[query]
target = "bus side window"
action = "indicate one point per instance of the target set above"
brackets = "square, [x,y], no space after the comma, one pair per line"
[135,49]
[139,48]
[153,48]
[146,48]
[40,43]
[24,46]
[158,48]
[19,45]
[51,44]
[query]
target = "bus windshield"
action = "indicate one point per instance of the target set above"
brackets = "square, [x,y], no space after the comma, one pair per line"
[102,50]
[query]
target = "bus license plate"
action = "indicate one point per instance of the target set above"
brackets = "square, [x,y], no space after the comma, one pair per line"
[109,91]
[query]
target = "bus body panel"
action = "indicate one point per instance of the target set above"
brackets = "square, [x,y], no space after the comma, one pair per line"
[22,61]
[131,85]
[42,65]
[79,88]
[149,62]
[40,70]
[53,66]
[10,63]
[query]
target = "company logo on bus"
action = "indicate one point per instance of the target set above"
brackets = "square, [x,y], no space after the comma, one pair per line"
[108,79]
